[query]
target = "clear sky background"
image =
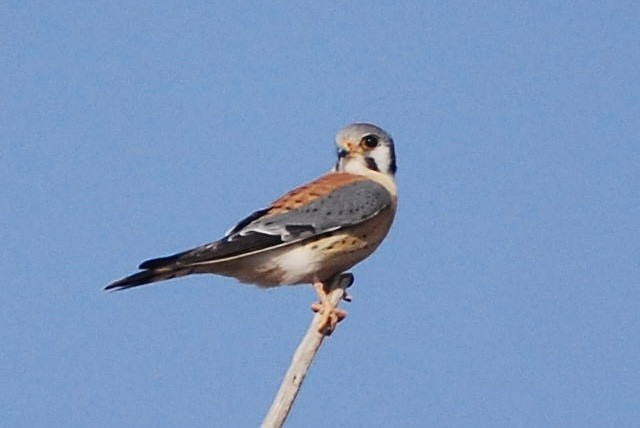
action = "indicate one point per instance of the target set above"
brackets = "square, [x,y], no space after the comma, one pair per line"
[506,295]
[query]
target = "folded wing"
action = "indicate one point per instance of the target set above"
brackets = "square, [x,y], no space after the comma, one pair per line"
[301,214]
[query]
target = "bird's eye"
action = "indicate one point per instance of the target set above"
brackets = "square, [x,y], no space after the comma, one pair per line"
[370,141]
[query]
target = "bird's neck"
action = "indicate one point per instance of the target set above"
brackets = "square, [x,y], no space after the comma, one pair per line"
[386,180]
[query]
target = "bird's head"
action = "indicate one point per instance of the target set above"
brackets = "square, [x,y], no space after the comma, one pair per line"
[363,148]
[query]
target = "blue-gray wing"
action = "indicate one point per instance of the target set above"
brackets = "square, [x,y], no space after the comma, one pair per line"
[345,206]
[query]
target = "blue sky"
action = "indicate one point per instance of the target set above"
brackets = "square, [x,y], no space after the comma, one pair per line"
[505,295]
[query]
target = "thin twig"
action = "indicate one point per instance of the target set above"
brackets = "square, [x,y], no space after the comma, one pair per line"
[302,360]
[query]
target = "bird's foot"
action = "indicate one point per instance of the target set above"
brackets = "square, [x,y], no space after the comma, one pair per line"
[331,315]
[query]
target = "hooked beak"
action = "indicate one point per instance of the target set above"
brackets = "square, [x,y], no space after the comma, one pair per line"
[347,148]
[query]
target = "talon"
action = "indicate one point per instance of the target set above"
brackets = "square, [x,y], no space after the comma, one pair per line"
[330,320]
[330,314]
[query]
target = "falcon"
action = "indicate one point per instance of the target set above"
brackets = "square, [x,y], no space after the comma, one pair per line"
[308,236]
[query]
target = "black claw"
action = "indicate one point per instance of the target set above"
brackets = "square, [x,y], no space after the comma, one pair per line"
[351,278]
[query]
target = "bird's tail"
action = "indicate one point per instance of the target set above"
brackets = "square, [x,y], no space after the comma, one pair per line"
[149,276]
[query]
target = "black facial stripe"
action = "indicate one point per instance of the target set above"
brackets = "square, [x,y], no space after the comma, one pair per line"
[392,164]
[371,164]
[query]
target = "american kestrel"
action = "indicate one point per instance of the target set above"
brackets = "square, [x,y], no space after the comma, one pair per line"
[310,234]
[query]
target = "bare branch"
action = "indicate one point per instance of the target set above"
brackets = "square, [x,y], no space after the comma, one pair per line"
[302,359]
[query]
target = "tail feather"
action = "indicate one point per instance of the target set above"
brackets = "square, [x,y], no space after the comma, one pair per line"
[147,277]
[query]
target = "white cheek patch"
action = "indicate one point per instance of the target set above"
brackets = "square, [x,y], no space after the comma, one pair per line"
[382,158]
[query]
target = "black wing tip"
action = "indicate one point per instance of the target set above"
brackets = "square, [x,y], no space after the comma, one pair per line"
[115,286]
[154,263]
[135,280]
[163,262]
[112,288]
